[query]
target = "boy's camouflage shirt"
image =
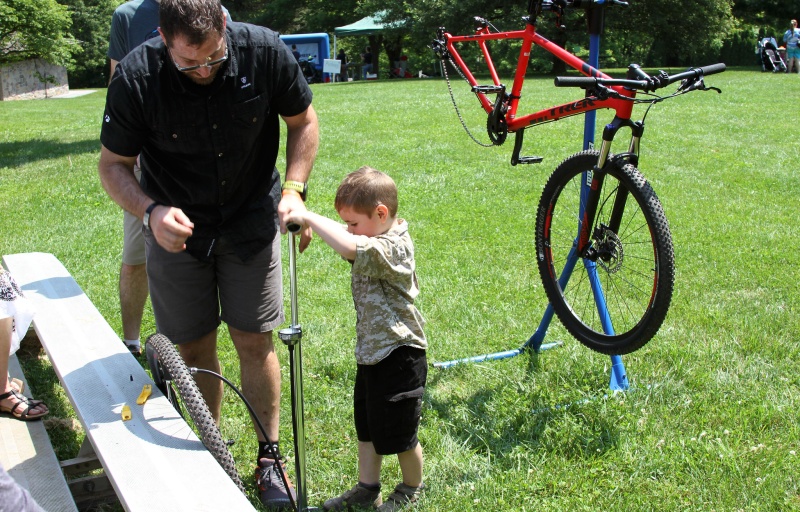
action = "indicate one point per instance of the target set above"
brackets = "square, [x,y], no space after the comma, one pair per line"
[384,285]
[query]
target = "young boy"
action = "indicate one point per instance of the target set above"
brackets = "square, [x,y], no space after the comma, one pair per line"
[390,348]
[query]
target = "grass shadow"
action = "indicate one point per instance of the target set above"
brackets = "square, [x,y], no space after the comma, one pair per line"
[26,152]
[501,417]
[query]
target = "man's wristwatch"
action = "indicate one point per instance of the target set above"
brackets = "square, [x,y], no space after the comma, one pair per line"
[299,187]
[146,217]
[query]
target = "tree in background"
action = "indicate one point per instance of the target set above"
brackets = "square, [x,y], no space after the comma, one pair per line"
[650,32]
[36,29]
[91,24]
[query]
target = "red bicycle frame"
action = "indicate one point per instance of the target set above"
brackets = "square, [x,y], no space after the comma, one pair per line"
[529,37]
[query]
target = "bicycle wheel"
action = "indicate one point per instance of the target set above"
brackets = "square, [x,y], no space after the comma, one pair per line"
[161,377]
[617,300]
[167,366]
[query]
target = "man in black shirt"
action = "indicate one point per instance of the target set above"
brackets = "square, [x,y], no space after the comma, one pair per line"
[202,106]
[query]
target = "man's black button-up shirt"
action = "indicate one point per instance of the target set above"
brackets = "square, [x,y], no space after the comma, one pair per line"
[210,150]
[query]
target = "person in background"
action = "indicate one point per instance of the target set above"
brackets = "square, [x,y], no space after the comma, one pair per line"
[15,317]
[792,40]
[390,347]
[295,53]
[14,497]
[202,106]
[366,62]
[342,58]
[132,23]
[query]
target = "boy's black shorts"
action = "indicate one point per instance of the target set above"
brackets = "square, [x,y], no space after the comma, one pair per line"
[387,400]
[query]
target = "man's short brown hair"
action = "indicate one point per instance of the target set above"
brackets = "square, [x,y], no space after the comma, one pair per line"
[365,189]
[195,20]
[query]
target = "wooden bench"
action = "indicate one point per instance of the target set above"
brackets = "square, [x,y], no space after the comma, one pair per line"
[28,456]
[153,461]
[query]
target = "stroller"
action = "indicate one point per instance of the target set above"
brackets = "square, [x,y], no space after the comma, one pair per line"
[770,58]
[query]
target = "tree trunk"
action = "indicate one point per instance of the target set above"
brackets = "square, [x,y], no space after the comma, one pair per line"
[394,49]
[375,41]
[560,38]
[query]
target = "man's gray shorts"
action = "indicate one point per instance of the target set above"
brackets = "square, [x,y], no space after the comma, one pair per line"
[191,297]
[132,238]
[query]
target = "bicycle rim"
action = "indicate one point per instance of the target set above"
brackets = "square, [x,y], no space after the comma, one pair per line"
[175,376]
[616,304]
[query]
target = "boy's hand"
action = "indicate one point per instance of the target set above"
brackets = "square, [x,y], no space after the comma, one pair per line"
[305,237]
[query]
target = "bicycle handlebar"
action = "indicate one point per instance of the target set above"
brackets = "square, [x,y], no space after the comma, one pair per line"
[646,84]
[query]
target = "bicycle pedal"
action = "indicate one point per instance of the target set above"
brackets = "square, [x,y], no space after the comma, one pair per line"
[530,160]
[489,89]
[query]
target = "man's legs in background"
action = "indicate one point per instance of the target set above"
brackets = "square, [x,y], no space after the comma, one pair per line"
[132,297]
[133,287]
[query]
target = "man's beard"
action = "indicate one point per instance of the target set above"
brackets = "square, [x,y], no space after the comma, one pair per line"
[199,80]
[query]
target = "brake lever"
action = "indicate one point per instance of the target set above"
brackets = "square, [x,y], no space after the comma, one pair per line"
[688,84]
[601,92]
[696,84]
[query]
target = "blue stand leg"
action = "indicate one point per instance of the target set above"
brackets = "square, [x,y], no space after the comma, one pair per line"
[619,378]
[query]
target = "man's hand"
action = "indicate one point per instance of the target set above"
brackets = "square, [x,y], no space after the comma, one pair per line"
[170,227]
[291,209]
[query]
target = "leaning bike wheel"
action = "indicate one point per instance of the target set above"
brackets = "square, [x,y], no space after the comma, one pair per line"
[161,377]
[173,378]
[617,300]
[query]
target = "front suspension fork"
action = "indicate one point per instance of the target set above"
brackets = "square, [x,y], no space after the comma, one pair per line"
[596,178]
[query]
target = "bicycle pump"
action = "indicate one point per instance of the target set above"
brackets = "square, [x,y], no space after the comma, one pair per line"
[291,336]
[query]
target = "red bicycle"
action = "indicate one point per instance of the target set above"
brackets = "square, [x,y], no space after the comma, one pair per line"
[596,207]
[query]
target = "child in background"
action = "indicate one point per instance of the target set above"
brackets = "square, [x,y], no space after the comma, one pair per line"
[390,348]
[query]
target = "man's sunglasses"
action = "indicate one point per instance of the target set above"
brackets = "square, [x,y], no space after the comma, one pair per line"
[209,64]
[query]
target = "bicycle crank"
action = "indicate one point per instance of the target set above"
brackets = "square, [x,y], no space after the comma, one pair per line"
[496,125]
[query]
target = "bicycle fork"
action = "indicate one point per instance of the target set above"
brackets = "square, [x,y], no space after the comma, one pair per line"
[593,186]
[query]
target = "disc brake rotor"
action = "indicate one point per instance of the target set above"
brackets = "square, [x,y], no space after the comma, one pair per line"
[610,252]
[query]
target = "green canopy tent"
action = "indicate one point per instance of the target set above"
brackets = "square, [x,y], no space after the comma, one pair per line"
[363,27]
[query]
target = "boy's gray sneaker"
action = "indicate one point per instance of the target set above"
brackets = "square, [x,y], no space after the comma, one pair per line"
[359,497]
[402,496]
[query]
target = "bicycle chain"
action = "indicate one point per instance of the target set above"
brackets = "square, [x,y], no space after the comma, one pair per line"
[453,99]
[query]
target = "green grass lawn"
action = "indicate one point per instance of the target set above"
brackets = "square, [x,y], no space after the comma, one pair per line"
[711,418]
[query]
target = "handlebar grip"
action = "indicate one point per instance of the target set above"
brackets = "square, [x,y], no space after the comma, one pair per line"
[293,227]
[713,68]
[575,81]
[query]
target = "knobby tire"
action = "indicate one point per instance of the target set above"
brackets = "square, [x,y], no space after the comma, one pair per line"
[169,369]
[637,273]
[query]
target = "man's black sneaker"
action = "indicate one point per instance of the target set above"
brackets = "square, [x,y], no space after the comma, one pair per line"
[272,490]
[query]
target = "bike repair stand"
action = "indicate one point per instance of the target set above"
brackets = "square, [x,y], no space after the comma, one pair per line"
[291,336]
[618,380]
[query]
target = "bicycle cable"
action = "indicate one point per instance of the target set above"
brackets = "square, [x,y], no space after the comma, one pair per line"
[270,444]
